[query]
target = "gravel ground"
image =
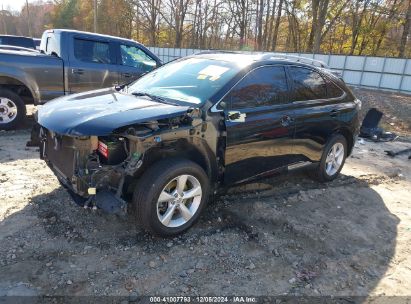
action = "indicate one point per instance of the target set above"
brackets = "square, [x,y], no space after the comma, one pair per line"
[286,235]
[396,108]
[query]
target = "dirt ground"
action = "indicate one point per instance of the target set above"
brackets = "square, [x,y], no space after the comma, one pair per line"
[396,108]
[284,235]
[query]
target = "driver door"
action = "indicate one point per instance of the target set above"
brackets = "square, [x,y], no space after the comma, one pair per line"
[92,65]
[259,124]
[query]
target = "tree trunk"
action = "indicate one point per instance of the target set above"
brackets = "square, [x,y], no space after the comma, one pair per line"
[406,32]
[277,25]
[270,29]
[266,24]
[357,22]
[323,10]
[260,25]
[314,9]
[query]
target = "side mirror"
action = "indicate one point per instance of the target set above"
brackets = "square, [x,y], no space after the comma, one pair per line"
[222,105]
[233,115]
[236,116]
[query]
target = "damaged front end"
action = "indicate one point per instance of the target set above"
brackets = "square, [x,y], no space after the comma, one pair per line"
[101,168]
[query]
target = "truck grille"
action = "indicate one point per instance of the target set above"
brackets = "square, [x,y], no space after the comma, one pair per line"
[60,152]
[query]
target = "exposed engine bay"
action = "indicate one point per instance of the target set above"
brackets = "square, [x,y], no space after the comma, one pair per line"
[102,169]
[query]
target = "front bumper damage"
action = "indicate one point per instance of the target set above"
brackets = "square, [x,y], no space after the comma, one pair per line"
[80,166]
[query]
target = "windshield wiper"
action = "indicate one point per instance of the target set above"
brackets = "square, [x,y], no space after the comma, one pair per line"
[153,97]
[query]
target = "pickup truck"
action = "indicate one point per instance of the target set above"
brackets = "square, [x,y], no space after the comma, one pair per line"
[68,62]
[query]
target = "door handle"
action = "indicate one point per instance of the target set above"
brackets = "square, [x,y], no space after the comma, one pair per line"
[334,113]
[77,71]
[127,75]
[286,120]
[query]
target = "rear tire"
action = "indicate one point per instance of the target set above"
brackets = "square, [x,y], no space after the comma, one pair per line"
[164,208]
[332,160]
[12,110]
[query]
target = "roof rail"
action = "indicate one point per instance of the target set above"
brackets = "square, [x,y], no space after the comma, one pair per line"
[294,58]
[263,56]
[218,52]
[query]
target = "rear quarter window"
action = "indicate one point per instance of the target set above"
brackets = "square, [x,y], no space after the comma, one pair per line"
[308,84]
[333,91]
[92,51]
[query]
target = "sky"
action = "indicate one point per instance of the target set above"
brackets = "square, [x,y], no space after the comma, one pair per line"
[14,5]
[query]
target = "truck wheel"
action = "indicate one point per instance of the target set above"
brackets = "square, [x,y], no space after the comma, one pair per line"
[170,196]
[12,110]
[332,160]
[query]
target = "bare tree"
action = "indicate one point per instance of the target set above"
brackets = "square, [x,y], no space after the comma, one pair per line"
[357,19]
[319,10]
[239,10]
[405,31]
[175,19]
[260,13]
[375,27]
[277,25]
[150,12]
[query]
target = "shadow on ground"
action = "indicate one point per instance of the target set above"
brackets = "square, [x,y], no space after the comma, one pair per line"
[291,236]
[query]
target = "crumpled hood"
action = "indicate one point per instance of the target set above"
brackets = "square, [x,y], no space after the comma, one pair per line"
[100,112]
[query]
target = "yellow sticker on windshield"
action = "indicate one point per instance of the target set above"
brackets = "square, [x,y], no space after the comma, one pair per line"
[214,71]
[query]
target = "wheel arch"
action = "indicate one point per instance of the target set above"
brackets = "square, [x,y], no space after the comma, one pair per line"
[195,150]
[19,87]
[348,135]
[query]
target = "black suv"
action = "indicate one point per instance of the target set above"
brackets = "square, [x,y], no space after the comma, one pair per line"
[162,145]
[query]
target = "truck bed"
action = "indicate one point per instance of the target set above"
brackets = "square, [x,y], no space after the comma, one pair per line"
[44,74]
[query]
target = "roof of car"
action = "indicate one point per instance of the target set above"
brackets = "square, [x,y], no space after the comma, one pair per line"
[90,33]
[249,58]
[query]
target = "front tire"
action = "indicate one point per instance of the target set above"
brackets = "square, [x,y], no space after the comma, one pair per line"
[12,110]
[170,196]
[332,160]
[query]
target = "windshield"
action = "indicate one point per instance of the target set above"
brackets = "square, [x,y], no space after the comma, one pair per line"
[191,80]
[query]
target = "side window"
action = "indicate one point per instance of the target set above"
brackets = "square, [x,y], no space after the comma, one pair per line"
[91,51]
[135,57]
[308,84]
[333,90]
[261,87]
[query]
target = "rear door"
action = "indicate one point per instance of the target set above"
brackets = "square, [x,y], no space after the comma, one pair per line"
[92,64]
[133,62]
[259,124]
[317,103]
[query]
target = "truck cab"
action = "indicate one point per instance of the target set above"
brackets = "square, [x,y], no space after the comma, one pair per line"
[93,61]
[69,62]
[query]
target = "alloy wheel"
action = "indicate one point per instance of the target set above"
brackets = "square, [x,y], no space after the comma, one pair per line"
[179,201]
[8,110]
[334,159]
